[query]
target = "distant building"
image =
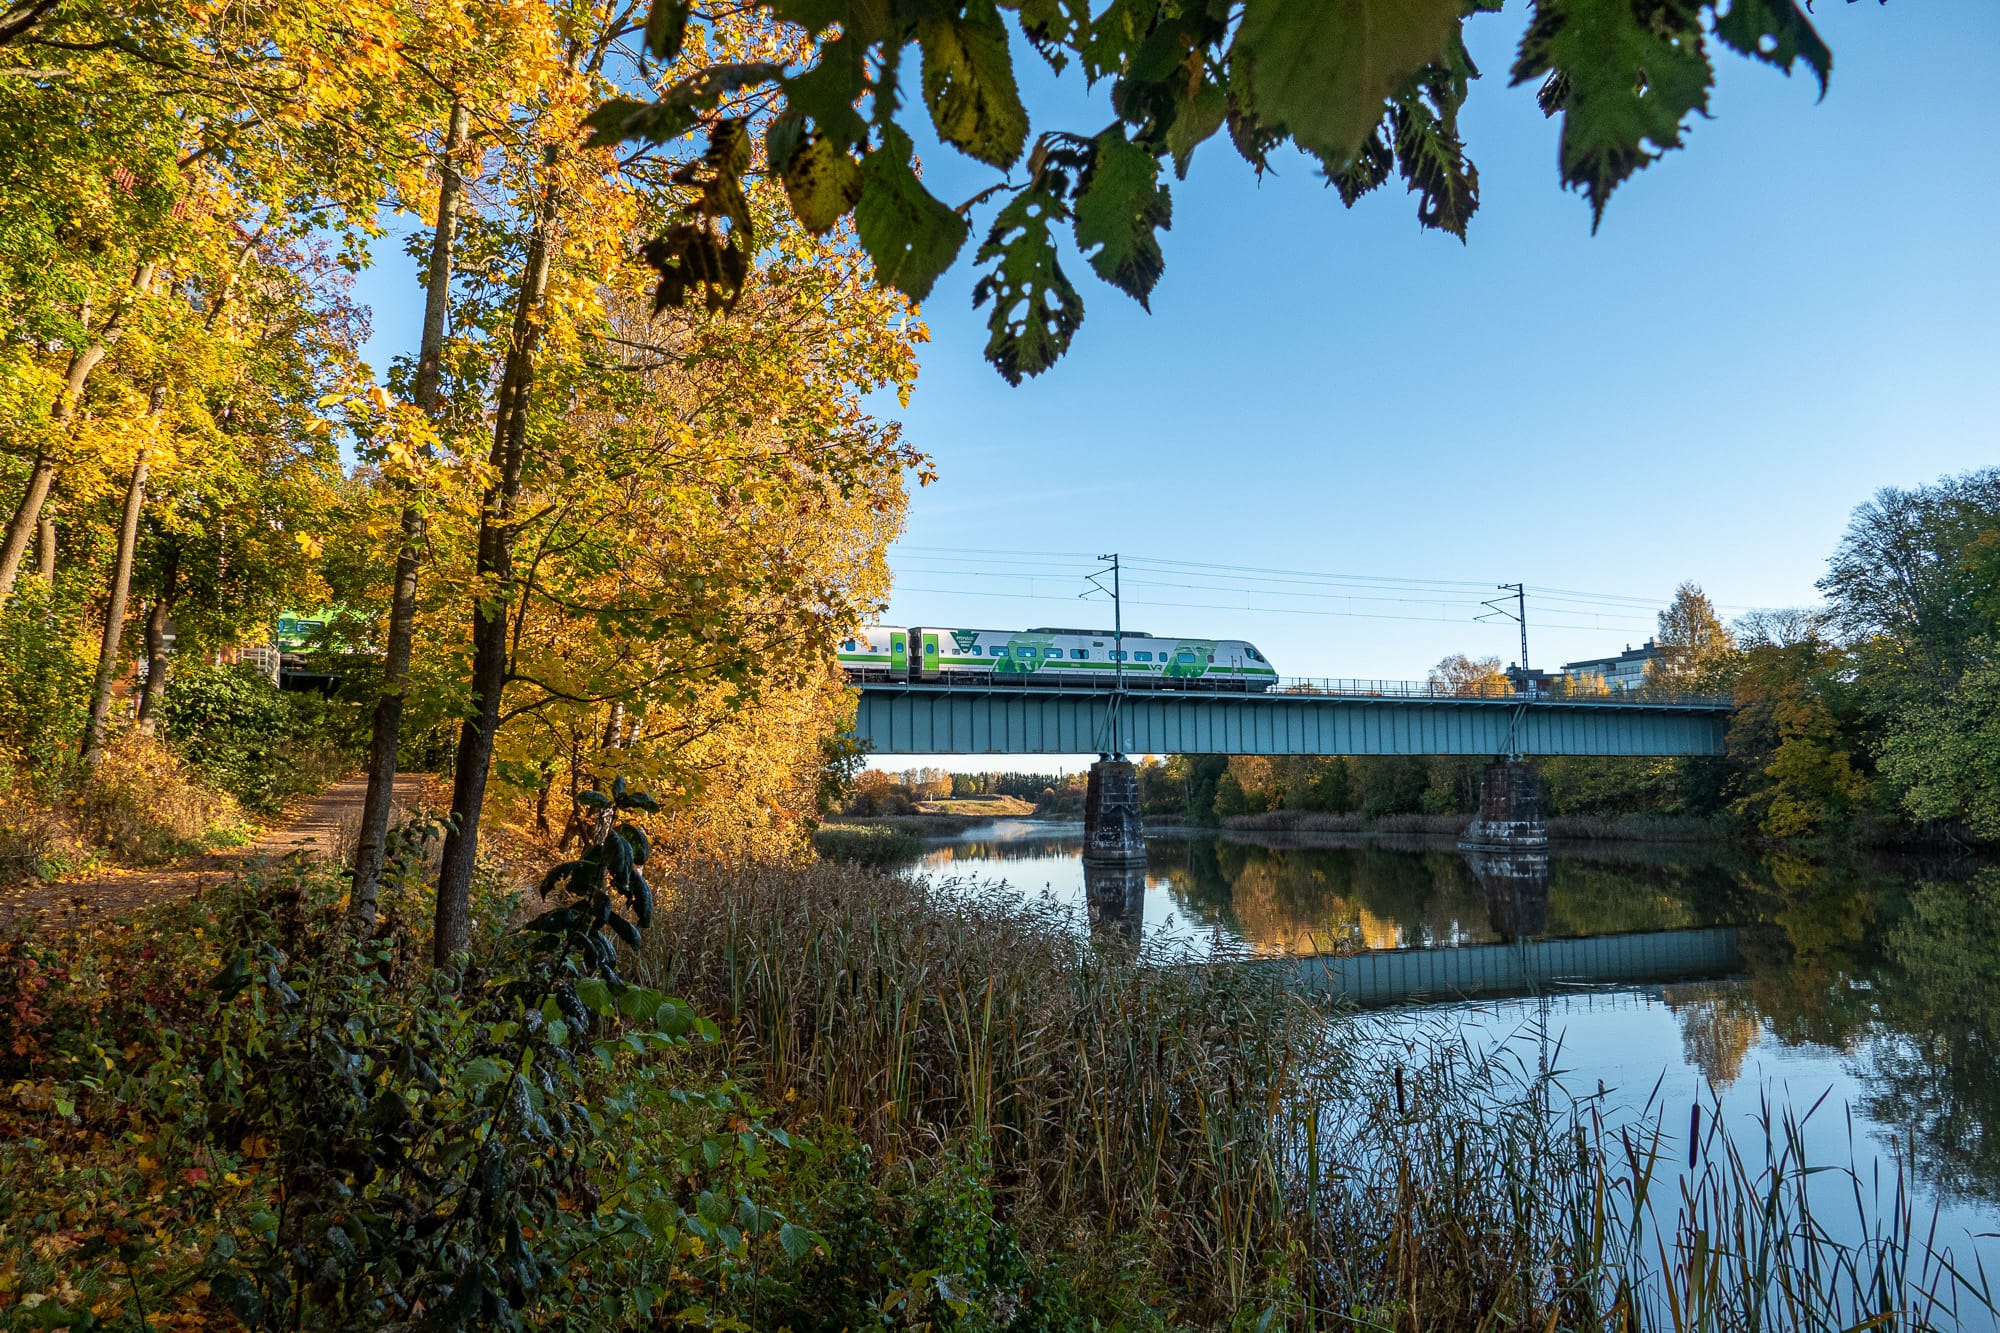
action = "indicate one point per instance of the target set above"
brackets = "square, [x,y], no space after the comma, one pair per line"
[1626,671]
[1532,681]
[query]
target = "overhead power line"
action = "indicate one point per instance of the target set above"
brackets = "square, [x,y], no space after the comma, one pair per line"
[1603,609]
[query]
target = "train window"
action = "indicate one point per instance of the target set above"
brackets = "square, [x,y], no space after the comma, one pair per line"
[1079,653]
[1145,657]
[847,646]
[1185,655]
[1211,657]
[974,651]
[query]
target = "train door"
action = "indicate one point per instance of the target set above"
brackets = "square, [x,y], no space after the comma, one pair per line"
[899,654]
[928,668]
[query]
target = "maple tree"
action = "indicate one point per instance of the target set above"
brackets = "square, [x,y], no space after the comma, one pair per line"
[1365,88]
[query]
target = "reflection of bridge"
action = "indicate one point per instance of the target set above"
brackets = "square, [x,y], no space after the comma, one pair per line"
[1517,897]
[995,719]
[1522,967]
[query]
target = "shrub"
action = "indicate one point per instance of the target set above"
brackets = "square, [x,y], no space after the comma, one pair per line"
[255,741]
[146,805]
[45,673]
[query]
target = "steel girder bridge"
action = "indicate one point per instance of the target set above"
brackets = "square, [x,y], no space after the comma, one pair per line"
[1393,719]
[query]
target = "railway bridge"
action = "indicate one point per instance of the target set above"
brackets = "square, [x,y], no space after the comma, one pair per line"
[1295,717]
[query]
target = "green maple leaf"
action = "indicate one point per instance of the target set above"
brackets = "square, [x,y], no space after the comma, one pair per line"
[822,182]
[1632,72]
[1036,310]
[1321,70]
[969,84]
[1120,208]
[1433,161]
[1751,24]
[908,232]
[1198,116]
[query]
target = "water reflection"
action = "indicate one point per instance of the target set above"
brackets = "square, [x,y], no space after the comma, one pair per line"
[1116,897]
[1517,891]
[1877,978]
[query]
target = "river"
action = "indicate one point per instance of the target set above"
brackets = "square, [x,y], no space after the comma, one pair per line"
[1860,994]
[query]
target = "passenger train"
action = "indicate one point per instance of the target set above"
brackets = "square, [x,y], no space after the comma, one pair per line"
[1053,657]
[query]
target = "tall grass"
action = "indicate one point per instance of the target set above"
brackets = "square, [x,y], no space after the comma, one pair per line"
[1257,1155]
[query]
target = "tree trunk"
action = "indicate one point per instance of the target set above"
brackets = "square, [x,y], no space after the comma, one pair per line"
[45,549]
[27,519]
[388,721]
[27,515]
[494,585]
[114,615]
[156,639]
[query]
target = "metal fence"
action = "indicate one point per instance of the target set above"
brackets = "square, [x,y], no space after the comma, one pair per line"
[1429,689]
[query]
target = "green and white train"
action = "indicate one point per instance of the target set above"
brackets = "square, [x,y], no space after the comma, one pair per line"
[1075,657]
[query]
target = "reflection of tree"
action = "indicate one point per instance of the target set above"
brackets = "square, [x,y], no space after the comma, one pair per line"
[1939,1078]
[1719,1025]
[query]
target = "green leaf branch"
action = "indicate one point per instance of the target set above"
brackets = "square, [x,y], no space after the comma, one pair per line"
[1367,89]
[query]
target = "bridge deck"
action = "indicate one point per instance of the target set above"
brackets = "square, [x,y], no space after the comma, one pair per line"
[991,719]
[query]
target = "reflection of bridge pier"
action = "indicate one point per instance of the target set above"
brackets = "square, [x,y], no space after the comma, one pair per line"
[1115,894]
[1517,891]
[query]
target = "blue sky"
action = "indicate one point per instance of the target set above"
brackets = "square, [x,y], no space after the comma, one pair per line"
[1791,312]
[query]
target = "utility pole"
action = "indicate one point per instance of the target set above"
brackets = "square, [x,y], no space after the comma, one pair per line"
[1518,613]
[1521,614]
[1115,750]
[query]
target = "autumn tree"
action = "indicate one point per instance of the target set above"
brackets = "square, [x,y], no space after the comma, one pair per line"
[1470,677]
[1696,649]
[669,521]
[141,146]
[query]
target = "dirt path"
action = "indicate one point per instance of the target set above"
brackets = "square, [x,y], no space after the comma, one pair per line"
[324,830]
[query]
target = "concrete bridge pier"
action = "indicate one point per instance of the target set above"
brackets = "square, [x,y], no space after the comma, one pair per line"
[1112,831]
[1115,897]
[1510,812]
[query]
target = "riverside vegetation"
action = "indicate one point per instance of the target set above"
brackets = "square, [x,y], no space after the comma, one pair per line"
[873,1101]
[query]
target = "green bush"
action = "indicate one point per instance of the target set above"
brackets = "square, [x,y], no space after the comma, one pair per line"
[255,741]
[867,844]
[44,684]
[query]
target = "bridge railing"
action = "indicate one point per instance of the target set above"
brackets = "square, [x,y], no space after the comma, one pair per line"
[1553,692]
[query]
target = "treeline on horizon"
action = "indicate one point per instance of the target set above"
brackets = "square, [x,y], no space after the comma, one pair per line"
[1874,717]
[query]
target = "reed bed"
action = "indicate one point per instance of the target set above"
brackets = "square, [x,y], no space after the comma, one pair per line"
[1263,1160]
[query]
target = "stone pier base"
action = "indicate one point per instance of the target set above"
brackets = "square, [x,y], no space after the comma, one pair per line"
[1510,812]
[1112,831]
